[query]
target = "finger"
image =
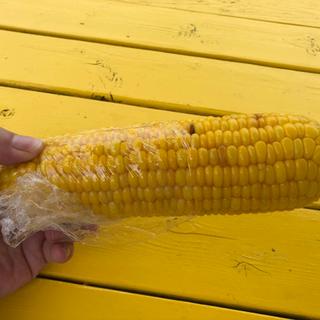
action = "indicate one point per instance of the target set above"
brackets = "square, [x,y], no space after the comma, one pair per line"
[33,252]
[16,149]
[56,236]
[57,252]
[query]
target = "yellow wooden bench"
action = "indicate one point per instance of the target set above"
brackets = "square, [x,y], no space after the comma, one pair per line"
[72,66]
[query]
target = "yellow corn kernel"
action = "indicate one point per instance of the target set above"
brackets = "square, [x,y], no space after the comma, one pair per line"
[298,148]
[187,193]
[203,157]
[309,146]
[312,170]
[290,130]
[191,177]
[170,177]
[203,141]
[197,193]
[227,176]
[270,176]
[303,185]
[234,175]
[200,176]
[243,156]
[236,138]
[232,155]
[217,176]
[233,124]
[271,156]
[253,174]
[245,137]
[300,129]
[243,176]
[236,191]
[192,157]
[261,151]
[117,197]
[207,125]
[280,172]
[316,155]
[213,157]
[271,133]
[216,193]
[311,131]
[290,169]
[218,137]
[208,172]
[279,132]
[172,159]
[254,135]
[312,190]
[210,139]
[241,122]
[123,179]
[227,138]
[287,146]
[278,149]
[301,169]
[180,177]
[246,192]
[226,193]
[275,191]
[152,178]
[163,159]
[263,134]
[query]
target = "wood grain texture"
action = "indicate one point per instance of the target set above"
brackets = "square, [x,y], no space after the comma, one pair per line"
[305,13]
[168,30]
[267,262]
[259,262]
[54,299]
[30,112]
[153,79]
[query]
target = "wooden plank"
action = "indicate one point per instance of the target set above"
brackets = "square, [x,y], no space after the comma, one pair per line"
[267,262]
[47,299]
[304,13]
[153,79]
[30,113]
[261,262]
[168,30]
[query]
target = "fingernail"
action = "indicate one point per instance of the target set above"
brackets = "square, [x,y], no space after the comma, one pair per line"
[27,144]
[67,247]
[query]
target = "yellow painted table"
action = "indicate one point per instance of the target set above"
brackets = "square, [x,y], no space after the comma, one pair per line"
[67,66]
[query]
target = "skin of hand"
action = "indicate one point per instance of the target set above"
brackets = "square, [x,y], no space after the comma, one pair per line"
[20,265]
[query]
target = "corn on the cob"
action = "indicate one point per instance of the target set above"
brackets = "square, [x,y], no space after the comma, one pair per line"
[230,164]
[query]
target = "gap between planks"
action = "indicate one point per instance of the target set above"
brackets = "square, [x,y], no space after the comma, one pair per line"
[170,50]
[232,8]
[174,30]
[201,111]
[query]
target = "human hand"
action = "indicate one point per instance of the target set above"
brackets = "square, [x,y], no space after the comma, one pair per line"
[20,265]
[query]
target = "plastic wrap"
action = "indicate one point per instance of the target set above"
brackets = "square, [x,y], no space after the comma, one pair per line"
[209,165]
[87,179]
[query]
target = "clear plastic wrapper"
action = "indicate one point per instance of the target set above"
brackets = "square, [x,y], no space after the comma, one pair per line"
[232,164]
[91,178]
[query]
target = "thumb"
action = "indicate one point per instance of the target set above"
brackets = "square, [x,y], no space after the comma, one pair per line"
[15,148]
